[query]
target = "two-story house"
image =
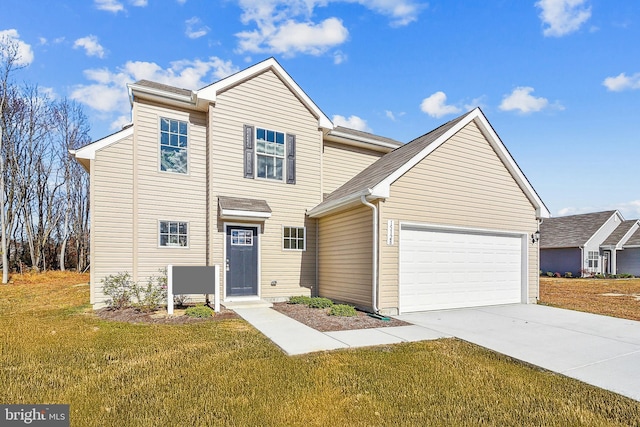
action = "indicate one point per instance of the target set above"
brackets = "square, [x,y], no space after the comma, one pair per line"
[249,174]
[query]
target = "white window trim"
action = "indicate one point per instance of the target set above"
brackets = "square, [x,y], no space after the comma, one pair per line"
[160,246]
[188,148]
[256,154]
[304,239]
[596,259]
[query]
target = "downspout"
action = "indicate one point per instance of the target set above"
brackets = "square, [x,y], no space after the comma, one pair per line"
[540,221]
[374,280]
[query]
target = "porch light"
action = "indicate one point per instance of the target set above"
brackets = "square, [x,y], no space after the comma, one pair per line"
[535,237]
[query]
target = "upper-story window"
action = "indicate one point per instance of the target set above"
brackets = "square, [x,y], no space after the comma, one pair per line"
[269,154]
[173,146]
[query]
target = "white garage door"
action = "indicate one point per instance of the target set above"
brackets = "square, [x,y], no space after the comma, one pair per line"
[442,269]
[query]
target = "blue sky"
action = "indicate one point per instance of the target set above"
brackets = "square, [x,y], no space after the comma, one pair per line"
[558,79]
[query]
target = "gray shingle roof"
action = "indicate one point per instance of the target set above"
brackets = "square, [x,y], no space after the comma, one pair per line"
[389,163]
[163,87]
[619,233]
[634,240]
[571,231]
[238,204]
[361,134]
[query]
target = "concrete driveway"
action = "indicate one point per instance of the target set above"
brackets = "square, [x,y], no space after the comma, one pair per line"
[599,350]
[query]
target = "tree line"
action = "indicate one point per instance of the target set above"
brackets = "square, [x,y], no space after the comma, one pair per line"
[44,220]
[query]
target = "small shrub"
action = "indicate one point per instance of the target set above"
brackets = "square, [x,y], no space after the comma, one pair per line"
[343,310]
[319,302]
[568,275]
[557,275]
[300,299]
[200,311]
[625,276]
[119,289]
[549,274]
[599,276]
[148,297]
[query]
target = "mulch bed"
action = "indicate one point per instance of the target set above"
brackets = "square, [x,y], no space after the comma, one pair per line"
[319,318]
[131,315]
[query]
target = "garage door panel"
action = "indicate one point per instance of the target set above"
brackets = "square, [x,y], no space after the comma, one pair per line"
[442,269]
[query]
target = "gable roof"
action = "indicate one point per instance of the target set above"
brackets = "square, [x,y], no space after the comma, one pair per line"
[375,181]
[209,93]
[621,234]
[571,231]
[634,240]
[86,153]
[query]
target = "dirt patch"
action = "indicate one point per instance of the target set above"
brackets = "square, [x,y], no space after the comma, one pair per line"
[320,320]
[132,315]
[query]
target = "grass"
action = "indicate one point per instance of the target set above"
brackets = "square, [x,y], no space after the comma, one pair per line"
[590,295]
[53,350]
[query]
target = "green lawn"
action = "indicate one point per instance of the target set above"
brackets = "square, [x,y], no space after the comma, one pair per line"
[53,350]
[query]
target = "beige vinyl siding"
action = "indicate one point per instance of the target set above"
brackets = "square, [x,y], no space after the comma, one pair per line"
[341,162]
[111,214]
[266,102]
[462,183]
[345,260]
[168,196]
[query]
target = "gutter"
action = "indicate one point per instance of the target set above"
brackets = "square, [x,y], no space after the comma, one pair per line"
[374,280]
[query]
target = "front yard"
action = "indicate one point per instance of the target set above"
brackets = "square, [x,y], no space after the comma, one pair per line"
[610,297]
[53,349]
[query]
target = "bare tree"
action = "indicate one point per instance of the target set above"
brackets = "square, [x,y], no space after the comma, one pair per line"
[9,62]
[73,132]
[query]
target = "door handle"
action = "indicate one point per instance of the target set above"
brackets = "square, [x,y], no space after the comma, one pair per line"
[227,265]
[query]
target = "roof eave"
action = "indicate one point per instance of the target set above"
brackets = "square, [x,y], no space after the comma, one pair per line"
[361,142]
[159,95]
[340,204]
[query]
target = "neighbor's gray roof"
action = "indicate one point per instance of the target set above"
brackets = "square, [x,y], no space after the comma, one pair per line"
[634,240]
[361,134]
[389,163]
[619,233]
[163,87]
[571,231]
[238,204]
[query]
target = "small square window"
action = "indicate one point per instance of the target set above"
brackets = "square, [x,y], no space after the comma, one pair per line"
[173,234]
[293,238]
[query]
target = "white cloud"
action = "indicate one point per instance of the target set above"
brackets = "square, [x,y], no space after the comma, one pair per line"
[353,122]
[339,57]
[114,6]
[195,28]
[286,26]
[107,92]
[91,46]
[622,82]
[522,101]
[562,17]
[393,116]
[435,105]
[24,53]
[401,12]
[294,37]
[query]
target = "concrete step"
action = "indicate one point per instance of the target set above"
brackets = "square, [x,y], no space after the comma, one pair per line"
[232,305]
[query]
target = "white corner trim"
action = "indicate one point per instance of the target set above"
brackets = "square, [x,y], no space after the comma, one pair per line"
[209,93]
[89,151]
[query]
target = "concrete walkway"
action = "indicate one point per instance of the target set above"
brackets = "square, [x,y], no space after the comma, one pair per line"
[295,338]
[599,350]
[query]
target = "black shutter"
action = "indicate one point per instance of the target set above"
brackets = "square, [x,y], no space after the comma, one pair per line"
[248,151]
[291,159]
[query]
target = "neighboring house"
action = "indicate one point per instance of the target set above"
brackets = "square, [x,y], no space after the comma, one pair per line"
[629,258]
[249,174]
[587,244]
